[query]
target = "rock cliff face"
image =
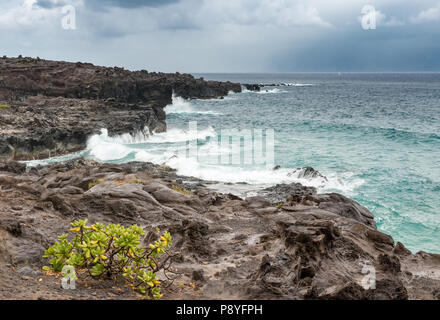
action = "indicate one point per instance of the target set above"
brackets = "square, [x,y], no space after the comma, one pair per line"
[288,242]
[314,246]
[51,107]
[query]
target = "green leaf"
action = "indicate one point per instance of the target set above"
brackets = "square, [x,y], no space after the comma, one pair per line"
[97,270]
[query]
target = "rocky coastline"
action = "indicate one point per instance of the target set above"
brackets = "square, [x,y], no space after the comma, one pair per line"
[50,108]
[287,242]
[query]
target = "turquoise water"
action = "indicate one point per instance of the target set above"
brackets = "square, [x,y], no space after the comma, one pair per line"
[375,136]
[382,128]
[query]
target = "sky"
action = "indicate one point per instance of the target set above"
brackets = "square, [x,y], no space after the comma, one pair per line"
[228,35]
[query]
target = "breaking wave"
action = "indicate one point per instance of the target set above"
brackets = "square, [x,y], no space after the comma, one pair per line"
[170,148]
[275,90]
[264,91]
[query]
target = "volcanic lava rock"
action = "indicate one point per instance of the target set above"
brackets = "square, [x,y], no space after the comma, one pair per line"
[289,242]
[307,173]
[314,246]
[253,87]
[280,193]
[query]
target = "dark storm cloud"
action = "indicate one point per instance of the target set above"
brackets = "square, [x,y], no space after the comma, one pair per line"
[48,4]
[407,48]
[97,4]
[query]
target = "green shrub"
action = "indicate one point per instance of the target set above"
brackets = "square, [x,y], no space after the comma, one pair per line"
[106,251]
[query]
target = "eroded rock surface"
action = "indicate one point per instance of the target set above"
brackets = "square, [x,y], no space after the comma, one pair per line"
[313,246]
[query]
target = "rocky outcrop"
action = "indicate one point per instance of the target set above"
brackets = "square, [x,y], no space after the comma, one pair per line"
[279,193]
[186,86]
[312,246]
[51,107]
[253,87]
[307,173]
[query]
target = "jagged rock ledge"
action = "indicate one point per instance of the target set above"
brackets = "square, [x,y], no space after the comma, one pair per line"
[49,108]
[312,246]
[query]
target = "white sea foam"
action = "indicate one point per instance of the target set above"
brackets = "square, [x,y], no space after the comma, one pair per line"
[205,164]
[181,135]
[167,148]
[258,176]
[53,160]
[274,90]
[106,148]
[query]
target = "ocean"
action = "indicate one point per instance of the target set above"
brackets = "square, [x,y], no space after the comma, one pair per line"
[375,137]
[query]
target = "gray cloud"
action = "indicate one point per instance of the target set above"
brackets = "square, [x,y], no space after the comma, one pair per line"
[49,4]
[103,4]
